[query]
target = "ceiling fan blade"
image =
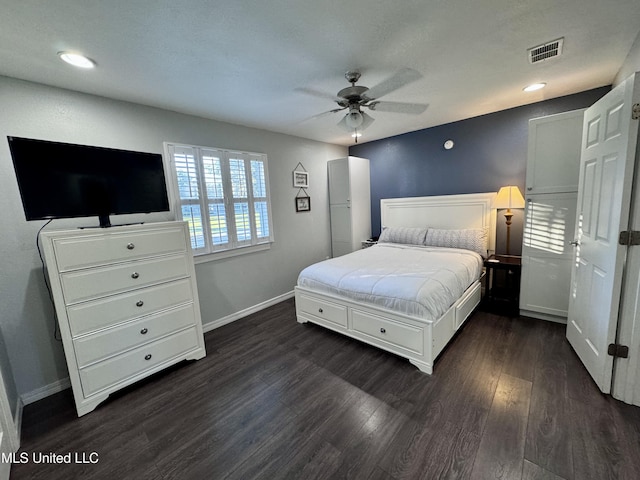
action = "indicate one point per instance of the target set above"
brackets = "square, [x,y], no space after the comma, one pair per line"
[317,93]
[399,79]
[323,114]
[398,107]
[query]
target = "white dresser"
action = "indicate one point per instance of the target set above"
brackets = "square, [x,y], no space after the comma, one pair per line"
[127,304]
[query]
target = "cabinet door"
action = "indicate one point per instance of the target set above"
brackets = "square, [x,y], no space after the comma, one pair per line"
[339,181]
[545,286]
[549,223]
[553,155]
[547,254]
[341,230]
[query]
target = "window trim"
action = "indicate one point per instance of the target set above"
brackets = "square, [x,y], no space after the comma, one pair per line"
[210,252]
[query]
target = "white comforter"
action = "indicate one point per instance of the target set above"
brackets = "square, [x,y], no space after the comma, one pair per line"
[413,280]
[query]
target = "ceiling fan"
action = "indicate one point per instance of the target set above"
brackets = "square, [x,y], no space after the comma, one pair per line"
[357,97]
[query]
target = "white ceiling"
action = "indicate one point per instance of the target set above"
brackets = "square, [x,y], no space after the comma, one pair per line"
[246,61]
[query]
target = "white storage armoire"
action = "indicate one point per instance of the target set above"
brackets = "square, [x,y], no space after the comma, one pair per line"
[553,160]
[349,204]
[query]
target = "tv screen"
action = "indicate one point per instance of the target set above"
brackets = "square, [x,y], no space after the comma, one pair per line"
[62,180]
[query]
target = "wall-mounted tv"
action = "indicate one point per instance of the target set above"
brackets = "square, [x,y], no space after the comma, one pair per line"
[63,180]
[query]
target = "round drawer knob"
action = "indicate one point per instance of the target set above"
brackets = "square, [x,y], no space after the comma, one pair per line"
[147,356]
[139,303]
[382,330]
[320,310]
[144,331]
[135,275]
[130,246]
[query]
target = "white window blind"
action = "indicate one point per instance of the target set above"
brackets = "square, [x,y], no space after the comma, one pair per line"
[223,195]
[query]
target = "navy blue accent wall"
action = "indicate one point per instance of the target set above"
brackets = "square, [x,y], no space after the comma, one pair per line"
[490,151]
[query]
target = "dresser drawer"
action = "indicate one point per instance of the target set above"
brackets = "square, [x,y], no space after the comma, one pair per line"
[103,375]
[101,249]
[102,281]
[322,309]
[389,332]
[89,316]
[106,343]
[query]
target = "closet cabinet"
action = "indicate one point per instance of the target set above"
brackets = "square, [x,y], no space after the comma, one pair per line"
[349,204]
[553,161]
[127,304]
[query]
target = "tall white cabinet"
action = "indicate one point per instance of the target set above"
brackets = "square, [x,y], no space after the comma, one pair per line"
[553,161]
[349,204]
[127,304]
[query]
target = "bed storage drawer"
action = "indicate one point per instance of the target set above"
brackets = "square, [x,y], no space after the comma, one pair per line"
[323,310]
[467,303]
[390,332]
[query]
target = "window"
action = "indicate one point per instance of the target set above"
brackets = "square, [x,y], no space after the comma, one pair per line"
[223,195]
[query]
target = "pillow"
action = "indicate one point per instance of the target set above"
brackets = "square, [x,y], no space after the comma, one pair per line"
[410,235]
[474,239]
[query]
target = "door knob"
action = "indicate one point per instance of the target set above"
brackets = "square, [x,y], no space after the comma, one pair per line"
[575,243]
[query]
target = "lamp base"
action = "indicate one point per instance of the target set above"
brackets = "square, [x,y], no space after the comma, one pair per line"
[508,216]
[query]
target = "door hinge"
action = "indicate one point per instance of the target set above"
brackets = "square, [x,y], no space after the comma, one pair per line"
[635,111]
[629,237]
[619,351]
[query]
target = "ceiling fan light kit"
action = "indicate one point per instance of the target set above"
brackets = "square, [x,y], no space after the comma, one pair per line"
[357,97]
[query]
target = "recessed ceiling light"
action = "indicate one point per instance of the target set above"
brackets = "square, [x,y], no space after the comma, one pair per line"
[77,60]
[356,135]
[534,86]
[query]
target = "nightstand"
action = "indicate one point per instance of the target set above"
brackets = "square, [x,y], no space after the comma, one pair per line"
[502,284]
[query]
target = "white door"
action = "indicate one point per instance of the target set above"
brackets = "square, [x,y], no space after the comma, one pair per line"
[609,138]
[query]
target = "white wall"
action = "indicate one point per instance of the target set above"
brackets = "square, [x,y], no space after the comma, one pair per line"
[631,63]
[226,286]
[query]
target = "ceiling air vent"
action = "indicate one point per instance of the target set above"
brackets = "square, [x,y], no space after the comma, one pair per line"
[546,51]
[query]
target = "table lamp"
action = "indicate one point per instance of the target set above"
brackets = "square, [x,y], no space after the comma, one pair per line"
[509,197]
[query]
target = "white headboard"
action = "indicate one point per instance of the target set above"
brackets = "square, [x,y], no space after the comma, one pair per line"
[473,210]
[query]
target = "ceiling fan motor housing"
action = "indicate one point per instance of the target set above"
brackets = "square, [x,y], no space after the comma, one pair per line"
[353,93]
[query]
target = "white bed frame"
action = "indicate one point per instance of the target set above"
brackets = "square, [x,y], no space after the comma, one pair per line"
[411,337]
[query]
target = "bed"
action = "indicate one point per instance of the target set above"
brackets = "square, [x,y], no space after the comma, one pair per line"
[411,292]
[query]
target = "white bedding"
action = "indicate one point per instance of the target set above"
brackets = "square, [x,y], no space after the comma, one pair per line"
[414,280]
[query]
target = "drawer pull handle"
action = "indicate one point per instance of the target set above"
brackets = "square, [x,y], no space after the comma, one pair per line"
[139,303]
[147,356]
[382,330]
[130,246]
[144,331]
[135,275]
[320,310]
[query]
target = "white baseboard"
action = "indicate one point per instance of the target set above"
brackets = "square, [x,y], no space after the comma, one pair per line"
[17,422]
[63,384]
[207,327]
[543,316]
[44,392]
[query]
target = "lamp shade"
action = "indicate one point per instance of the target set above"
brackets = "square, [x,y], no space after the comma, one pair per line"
[509,197]
[354,118]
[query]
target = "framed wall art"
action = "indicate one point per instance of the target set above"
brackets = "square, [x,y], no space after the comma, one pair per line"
[303,204]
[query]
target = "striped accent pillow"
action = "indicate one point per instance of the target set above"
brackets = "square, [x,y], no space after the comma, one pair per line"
[409,235]
[474,239]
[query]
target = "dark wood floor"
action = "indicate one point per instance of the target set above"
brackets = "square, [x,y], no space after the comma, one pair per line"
[274,399]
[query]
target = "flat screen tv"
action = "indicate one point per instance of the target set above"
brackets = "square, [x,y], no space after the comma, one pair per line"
[62,180]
